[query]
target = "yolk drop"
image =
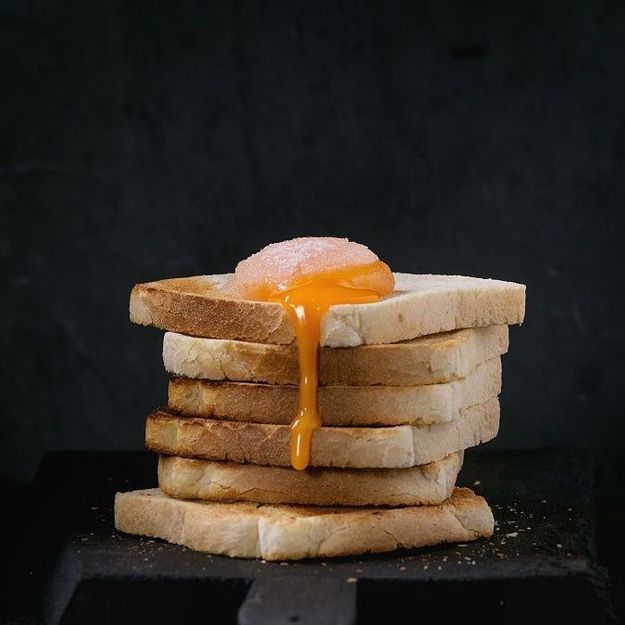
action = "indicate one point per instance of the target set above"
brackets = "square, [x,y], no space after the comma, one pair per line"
[306,276]
[306,300]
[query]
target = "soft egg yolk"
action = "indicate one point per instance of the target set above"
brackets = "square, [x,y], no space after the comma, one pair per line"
[306,299]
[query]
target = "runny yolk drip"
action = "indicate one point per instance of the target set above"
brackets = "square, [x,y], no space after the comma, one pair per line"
[306,300]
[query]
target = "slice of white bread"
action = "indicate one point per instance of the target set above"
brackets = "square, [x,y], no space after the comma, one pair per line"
[427,360]
[186,478]
[246,530]
[338,405]
[357,448]
[421,304]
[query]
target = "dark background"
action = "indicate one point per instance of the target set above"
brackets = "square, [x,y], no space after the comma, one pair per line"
[144,140]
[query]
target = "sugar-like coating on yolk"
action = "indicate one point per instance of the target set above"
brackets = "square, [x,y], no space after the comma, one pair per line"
[278,264]
[307,276]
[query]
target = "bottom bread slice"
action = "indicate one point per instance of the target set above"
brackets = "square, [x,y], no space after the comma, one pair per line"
[277,532]
[428,484]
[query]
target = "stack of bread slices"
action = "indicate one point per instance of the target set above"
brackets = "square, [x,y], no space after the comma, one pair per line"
[406,385]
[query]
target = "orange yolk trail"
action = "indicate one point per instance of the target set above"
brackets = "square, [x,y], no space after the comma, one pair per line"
[306,300]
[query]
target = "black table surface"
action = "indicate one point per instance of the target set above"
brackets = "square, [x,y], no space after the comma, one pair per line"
[541,560]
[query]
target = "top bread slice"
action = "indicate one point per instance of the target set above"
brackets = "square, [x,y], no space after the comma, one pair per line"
[204,306]
[430,359]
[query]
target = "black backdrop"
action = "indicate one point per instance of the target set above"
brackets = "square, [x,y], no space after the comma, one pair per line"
[142,140]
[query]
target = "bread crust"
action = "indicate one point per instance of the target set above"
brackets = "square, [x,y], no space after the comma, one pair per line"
[187,478]
[341,447]
[293,533]
[421,305]
[202,306]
